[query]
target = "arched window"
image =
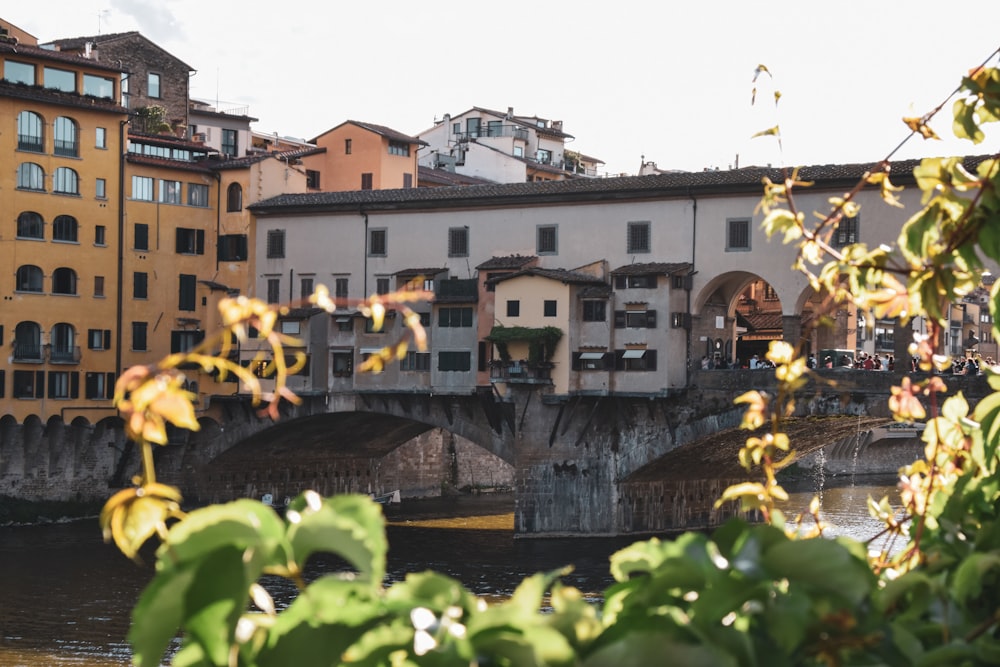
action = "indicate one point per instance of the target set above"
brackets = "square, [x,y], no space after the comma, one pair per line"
[234,197]
[30,176]
[30,135]
[29,278]
[67,137]
[66,181]
[64,281]
[64,228]
[62,341]
[27,341]
[30,226]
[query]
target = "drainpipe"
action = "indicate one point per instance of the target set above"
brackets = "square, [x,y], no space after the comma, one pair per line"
[688,284]
[218,217]
[364,284]
[120,278]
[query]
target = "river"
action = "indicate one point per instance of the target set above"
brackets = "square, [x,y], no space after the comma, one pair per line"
[67,596]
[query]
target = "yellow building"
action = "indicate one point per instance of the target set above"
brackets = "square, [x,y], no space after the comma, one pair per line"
[61,143]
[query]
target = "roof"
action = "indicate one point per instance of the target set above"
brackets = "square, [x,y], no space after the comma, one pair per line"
[27,50]
[169,140]
[438,177]
[79,43]
[381,130]
[651,268]
[654,186]
[50,96]
[765,321]
[151,161]
[299,152]
[412,273]
[507,262]
[562,275]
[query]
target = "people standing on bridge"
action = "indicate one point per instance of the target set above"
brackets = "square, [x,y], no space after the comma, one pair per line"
[811,361]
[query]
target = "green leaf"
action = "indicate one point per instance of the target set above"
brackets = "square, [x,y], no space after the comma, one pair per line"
[821,565]
[971,573]
[158,614]
[642,649]
[788,619]
[213,602]
[350,526]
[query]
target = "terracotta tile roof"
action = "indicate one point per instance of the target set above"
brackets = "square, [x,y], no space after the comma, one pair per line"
[170,141]
[507,262]
[675,184]
[79,43]
[652,268]
[595,292]
[149,160]
[381,130]
[561,275]
[26,50]
[412,273]
[439,177]
[765,321]
[299,152]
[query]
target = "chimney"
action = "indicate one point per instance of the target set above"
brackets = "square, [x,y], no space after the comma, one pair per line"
[87,48]
[510,112]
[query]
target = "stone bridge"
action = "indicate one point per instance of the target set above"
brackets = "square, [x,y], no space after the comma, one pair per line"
[583,465]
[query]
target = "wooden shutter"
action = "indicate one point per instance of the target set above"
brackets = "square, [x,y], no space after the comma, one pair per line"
[619,360]
[621,282]
[200,241]
[619,319]
[107,339]
[109,386]
[650,360]
[650,319]
[74,384]
[39,384]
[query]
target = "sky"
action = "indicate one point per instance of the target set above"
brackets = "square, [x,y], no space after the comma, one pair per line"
[668,82]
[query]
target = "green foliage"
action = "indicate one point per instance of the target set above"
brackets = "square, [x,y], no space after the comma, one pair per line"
[541,341]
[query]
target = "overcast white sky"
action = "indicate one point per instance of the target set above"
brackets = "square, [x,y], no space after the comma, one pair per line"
[669,81]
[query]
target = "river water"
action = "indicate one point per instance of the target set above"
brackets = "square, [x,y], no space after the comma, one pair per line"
[66,597]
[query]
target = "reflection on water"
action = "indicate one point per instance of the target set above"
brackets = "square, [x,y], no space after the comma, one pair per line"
[67,596]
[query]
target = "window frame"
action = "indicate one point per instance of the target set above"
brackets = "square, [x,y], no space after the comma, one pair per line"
[275,244]
[140,285]
[153,85]
[30,132]
[738,235]
[380,248]
[639,237]
[140,335]
[65,137]
[65,181]
[550,308]
[234,198]
[544,245]
[594,310]
[170,192]
[143,188]
[65,229]
[513,308]
[26,276]
[458,241]
[197,195]
[30,176]
[30,221]
[137,237]
[187,292]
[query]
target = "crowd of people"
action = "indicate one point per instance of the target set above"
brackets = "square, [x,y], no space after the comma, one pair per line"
[971,365]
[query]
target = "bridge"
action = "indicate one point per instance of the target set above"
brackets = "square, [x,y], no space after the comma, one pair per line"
[586,465]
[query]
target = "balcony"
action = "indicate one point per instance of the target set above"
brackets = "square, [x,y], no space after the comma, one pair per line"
[487,132]
[64,355]
[28,352]
[521,372]
[456,291]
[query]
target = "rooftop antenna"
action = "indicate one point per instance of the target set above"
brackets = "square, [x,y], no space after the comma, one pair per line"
[101,14]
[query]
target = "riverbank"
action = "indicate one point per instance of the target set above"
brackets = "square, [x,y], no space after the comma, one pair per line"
[17,511]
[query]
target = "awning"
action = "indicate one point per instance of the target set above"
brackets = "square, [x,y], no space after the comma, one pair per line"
[370,350]
[592,355]
[633,354]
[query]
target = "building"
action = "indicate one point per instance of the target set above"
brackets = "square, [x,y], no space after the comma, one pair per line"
[362,156]
[503,147]
[226,130]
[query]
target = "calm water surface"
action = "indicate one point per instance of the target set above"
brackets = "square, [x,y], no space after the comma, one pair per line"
[66,597]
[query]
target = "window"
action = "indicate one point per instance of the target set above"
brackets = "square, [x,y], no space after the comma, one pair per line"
[549,308]
[60,79]
[547,239]
[232,248]
[377,242]
[273,290]
[30,177]
[27,342]
[847,232]
[455,317]
[153,85]
[184,341]
[275,243]
[544,156]
[638,238]
[100,188]
[370,326]
[64,281]
[518,151]
[347,146]
[494,128]
[197,195]
[30,135]
[229,146]
[635,360]
[454,361]
[101,138]
[65,137]
[99,339]
[308,286]
[312,179]
[366,181]
[382,285]
[415,361]
[140,285]
[139,336]
[29,278]
[98,286]
[456,128]
[399,148]
[738,234]
[170,192]
[190,241]
[99,86]
[513,308]
[635,319]
[66,181]
[594,310]
[590,361]
[30,226]
[29,384]
[340,288]
[458,242]
[635,281]
[141,236]
[62,341]
[343,364]
[407,181]
[472,126]
[187,285]
[16,72]
[99,385]
[142,188]
[234,197]
[64,228]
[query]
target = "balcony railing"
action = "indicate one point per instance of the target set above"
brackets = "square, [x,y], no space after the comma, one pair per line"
[65,355]
[27,352]
[487,132]
[520,371]
[456,290]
